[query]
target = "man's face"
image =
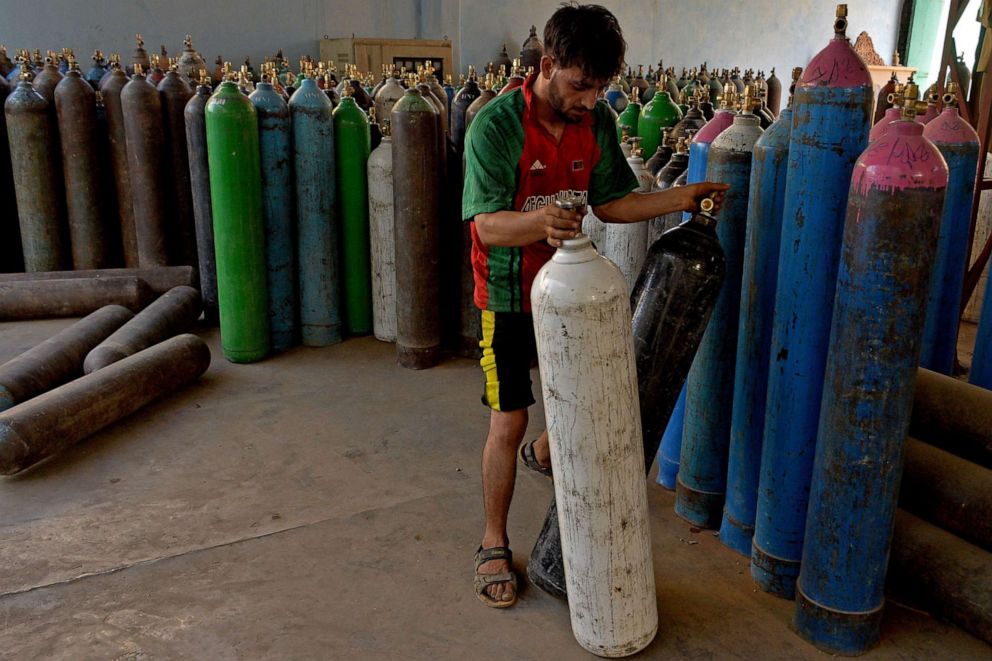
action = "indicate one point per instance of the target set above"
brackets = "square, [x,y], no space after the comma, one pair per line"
[571,94]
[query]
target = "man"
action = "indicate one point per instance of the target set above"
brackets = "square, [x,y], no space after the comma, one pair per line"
[525,149]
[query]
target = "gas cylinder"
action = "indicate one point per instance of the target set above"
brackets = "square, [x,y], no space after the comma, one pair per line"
[416,205]
[629,115]
[317,225]
[199,170]
[381,237]
[449,91]
[75,102]
[37,185]
[882,126]
[760,274]
[626,244]
[932,98]
[463,99]
[532,50]
[390,93]
[882,102]
[958,144]
[701,486]
[738,82]
[774,98]
[589,381]
[6,65]
[97,71]
[671,303]
[190,62]
[661,155]
[981,362]
[239,228]
[670,85]
[656,115]
[110,90]
[665,179]
[175,93]
[616,97]
[515,80]
[11,254]
[156,74]
[140,55]
[830,120]
[690,124]
[146,153]
[352,145]
[46,81]
[115,62]
[595,229]
[439,93]
[488,94]
[889,246]
[218,74]
[275,154]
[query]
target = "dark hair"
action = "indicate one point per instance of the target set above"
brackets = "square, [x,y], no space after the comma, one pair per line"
[586,36]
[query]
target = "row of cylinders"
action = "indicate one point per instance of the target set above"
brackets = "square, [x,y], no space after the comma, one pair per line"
[844,264]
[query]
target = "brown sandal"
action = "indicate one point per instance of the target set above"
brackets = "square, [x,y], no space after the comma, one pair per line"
[483,581]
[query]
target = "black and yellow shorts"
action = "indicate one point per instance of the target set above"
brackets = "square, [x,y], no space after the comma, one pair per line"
[508,351]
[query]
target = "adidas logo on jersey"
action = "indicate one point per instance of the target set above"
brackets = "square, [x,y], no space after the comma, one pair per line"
[538,165]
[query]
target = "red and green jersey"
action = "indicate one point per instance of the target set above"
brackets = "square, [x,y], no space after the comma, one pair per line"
[514,163]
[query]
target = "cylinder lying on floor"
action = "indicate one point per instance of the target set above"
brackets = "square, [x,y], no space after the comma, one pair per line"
[889,246]
[59,358]
[588,374]
[950,578]
[159,279]
[47,424]
[954,416]
[172,313]
[949,491]
[70,298]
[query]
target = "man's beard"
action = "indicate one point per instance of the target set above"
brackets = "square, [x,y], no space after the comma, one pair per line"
[557,102]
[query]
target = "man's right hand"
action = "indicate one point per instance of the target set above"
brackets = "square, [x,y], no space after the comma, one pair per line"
[561,224]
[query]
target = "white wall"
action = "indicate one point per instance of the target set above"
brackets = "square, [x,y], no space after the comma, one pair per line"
[684,32]
[724,33]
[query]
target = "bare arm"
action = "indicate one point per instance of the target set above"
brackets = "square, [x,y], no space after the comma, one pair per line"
[636,207]
[513,228]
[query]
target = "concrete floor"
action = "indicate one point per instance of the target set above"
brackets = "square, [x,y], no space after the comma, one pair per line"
[325,504]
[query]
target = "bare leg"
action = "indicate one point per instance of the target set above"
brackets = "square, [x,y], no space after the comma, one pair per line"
[499,468]
[542,451]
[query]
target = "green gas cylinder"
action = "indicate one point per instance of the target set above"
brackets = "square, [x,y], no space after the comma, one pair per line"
[630,116]
[658,113]
[239,231]
[352,144]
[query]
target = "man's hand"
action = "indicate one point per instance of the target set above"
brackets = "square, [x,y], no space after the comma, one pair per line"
[561,224]
[694,193]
